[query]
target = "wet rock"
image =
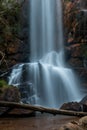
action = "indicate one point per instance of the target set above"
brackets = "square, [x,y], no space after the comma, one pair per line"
[84,103]
[27,92]
[74,106]
[84,100]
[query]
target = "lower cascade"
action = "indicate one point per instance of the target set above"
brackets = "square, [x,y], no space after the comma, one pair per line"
[45,80]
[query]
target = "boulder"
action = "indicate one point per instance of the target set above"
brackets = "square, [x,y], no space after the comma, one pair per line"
[83,122]
[71,126]
[10,94]
[73,106]
[76,106]
[84,103]
[84,100]
[80,125]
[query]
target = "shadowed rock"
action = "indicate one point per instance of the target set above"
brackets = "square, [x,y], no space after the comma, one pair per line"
[74,106]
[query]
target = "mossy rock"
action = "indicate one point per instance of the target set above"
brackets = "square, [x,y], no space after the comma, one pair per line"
[8,92]
[3,83]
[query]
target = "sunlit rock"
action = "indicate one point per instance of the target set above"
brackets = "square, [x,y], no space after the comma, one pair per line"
[83,122]
[71,126]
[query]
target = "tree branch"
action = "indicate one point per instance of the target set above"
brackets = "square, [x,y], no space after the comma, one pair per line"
[3,59]
[41,109]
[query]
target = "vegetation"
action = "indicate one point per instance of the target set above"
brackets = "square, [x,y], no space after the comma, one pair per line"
[9,26]
[4,84]
[9,21]
[9,92]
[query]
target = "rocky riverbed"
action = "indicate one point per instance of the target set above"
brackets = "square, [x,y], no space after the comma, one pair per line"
[38,122]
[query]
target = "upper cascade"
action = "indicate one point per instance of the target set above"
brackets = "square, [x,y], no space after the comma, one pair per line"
[46,30]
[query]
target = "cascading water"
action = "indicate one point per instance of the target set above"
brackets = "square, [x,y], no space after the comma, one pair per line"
[50,82]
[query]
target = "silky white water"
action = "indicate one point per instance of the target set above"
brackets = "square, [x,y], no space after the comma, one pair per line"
[50,82]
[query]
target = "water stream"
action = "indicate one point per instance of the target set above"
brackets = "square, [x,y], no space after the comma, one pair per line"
[49,82]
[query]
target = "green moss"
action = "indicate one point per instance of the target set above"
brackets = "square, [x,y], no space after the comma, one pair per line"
[3,84]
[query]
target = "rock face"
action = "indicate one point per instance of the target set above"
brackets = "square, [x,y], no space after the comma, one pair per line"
[16,50]
[76,50]
[76,38]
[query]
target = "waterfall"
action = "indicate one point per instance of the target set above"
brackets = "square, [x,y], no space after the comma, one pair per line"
[46,80]
[46,28]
